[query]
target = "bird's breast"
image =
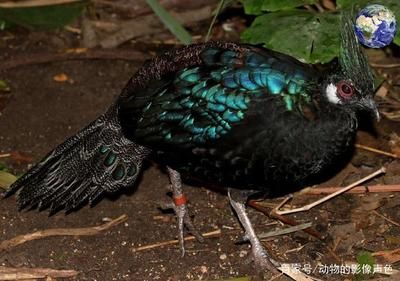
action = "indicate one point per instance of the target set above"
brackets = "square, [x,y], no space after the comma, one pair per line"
[281,153]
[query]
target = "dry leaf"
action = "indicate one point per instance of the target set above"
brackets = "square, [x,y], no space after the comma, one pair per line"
[390,256]
[6,179]
[61,77]
[382,91]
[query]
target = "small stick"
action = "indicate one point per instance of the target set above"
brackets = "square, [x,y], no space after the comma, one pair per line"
[84,231]
[5,155]
[289,221]
[330,196]
[175,241]
[385,218]
[358,189]
[284,201]
[33,3]
[24,273]
[285,230]
[376,150]
[389,65]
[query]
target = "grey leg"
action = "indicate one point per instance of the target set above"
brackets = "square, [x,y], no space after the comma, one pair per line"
[181,210]
[260,256]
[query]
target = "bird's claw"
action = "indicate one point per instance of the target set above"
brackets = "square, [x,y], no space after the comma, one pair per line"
[184,220]
[262,261]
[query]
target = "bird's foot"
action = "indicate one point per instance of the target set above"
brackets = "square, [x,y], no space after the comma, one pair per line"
[260,257]
[181,210]
[262,261]
[184,220]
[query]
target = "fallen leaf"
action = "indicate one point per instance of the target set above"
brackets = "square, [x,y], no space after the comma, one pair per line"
[382,91]
[6,179]
[62,77]
[392,256]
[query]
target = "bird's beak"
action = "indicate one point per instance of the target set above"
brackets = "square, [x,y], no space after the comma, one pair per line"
[370,106]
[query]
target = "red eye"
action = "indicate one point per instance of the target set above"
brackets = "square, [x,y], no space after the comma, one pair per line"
[345,89]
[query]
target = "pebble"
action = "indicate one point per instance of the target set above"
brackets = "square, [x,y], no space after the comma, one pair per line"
[242,253]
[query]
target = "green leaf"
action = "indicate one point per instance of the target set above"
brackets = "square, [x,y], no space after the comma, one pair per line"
[365,261]
[255,7]
[42,17]
[365,257]
[170,22]
[6,179]
[4,87]
[276,5]
[252,7]
[310,37]
[393,5]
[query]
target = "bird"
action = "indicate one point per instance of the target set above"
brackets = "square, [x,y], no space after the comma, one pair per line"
[239,116]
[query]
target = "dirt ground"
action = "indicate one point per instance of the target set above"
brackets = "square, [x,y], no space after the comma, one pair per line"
[40,112]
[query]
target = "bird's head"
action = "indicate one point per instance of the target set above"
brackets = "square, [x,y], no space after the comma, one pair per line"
[351,83]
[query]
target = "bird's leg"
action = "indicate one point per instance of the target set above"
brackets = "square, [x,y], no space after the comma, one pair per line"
[181,210]
[260,257]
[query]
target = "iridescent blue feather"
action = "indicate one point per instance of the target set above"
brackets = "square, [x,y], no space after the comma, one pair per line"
[207,100]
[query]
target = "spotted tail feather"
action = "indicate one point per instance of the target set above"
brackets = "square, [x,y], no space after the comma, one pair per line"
[97,160]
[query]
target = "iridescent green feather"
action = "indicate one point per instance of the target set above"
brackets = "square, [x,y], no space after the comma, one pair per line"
[206,101]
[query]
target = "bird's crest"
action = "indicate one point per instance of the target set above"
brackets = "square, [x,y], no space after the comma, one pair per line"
[352,60]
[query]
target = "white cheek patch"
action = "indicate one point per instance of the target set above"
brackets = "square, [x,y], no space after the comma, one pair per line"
[331,94]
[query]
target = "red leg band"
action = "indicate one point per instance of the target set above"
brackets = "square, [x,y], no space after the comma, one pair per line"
[181,200]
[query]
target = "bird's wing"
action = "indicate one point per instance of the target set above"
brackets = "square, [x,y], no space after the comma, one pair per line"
[202,103]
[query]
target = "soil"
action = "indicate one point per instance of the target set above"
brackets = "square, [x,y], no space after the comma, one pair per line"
[41,112]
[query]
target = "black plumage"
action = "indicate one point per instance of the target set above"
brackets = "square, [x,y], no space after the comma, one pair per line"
[220,113]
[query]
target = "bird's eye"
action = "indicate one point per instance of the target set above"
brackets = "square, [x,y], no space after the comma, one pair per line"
[345,89]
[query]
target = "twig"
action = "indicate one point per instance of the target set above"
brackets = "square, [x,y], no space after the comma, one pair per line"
[285,230]
[389,65]
[386,218]
[217,11]
[40,58]
[25,273]
[326,198]
[84,231]
[142,9]
[284,201]
[297,249]
[289,221]
[5,155]
[175,241]
[34,3]
[376,150]
[357,189]
[148,25]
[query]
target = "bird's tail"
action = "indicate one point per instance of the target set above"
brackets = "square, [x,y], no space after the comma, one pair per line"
[97,160]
